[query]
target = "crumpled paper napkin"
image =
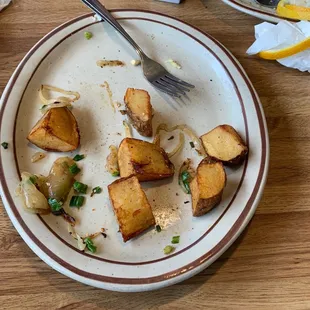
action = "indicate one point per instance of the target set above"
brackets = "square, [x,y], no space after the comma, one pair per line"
[4,3]
[269,36]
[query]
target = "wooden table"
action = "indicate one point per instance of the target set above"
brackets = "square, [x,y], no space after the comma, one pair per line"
[269,266]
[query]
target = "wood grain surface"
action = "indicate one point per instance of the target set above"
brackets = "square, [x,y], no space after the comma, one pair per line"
[269,266]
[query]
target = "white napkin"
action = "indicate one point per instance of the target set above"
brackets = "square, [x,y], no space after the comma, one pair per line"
[4,3]
[269,36]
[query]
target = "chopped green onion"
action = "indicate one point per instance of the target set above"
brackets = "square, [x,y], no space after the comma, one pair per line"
[169,249]
[43,106]
[80,187]
[158,228]
[55,205]
[78,157]
[115,174]
[5,145]
[185,179]
[192,144]
[96,190]
[88,35]
[175,239]
[76,201]
[90,245]
[33,179]
[74,169]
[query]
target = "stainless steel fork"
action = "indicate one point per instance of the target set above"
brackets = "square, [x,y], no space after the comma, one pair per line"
[155,73]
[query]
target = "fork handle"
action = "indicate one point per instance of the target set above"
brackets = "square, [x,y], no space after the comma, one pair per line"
[99,9]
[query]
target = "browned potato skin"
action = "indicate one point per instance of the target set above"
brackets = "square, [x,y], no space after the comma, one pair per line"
[236,160]
[144,127]
[56,131]
[145,160]
[200,204]
[133,219]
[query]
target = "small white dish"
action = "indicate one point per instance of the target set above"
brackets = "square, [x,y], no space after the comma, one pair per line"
[223,94]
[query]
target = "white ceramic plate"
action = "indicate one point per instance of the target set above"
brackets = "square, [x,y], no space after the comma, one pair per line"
[223,94]
[253,8]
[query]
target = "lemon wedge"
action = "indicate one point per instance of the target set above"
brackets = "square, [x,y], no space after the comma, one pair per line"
[293,11]
[286,51]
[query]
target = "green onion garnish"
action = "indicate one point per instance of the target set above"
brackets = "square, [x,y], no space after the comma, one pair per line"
[158,228]
[192,144]
[90,245]
[115,173]
[175,239]
[5,145]
[96,190]
[76,201]
[74,169]
[169,249]
[43,106]
[33,179]
[88,35]
[55,204]
[185,179]
[78,157]
[80,187]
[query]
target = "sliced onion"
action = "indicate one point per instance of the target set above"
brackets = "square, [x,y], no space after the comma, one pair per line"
[188,131]
[127,128]
[80,241]
[34,201]
[56,104]
[179,147]
[37,156]
[59,101]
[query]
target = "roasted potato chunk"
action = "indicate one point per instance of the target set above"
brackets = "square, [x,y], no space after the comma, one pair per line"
[145,160]
[223,143]
[139,110]
[207,186]
[57,131]
[133,211]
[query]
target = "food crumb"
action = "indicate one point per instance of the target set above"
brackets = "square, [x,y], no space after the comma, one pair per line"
[110,63]
[171,138]
[93,209]
[135,62]
[88,35]
[185,202]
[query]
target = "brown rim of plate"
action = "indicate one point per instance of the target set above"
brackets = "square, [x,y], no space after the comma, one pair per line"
[250,8]
[232,233]
[228,205]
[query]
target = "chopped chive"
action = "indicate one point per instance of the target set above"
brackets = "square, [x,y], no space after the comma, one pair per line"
[74,169]
[33,179]
[115,173]
[43,106]
[5,145]
[76,201]
[90,245]
[158,228]
[175,239]
[80,187]
[185,179]
[56,206]
[192,144]
[169,249]
[88,35]
[96,190]
[78,157]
